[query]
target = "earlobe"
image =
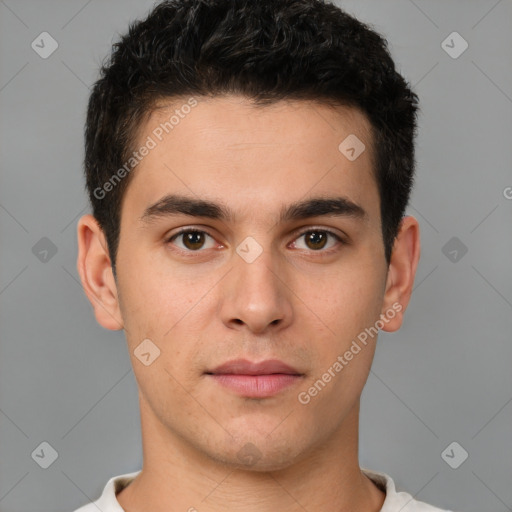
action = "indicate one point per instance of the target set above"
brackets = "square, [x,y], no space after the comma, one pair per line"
[95,270]
[401,273]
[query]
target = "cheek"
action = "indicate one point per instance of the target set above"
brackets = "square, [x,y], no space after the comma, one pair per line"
[168,310]
[153,302]
[348,300]
[349,305]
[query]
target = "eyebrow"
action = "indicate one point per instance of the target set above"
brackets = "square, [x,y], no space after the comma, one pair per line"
[174,204]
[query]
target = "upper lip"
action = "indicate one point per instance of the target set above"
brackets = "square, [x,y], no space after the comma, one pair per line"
[245,367]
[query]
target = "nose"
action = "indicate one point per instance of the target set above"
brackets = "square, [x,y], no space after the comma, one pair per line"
[255,295]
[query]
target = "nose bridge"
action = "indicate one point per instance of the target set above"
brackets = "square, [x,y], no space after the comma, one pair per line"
[256,264]
[256,295]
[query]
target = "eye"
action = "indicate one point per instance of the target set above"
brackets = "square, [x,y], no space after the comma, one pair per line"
[316,239]
[192,239]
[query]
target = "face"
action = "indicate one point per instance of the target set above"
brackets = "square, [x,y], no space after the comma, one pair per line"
[270,249]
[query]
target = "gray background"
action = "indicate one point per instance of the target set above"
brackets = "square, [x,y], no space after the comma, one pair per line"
[445,376]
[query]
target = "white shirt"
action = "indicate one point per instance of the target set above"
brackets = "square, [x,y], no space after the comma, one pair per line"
[395,501]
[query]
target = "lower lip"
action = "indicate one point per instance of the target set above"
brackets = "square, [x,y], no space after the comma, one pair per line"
[256,386]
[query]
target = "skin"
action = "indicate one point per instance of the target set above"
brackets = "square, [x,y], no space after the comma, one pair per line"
[296,302]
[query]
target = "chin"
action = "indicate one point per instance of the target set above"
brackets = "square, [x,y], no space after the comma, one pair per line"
[261,453]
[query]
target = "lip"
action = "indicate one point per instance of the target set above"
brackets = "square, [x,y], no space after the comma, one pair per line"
[255,380]
[245,367]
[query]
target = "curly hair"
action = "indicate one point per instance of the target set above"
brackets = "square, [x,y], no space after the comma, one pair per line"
[266,50]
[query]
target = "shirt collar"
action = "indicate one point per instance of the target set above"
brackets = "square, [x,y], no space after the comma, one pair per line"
[394,500]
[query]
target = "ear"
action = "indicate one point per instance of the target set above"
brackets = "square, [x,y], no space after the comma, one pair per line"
[95,270]
[401,273]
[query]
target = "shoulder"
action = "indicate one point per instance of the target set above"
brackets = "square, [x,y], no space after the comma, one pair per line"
[396,501]
[107,502]
[90,507]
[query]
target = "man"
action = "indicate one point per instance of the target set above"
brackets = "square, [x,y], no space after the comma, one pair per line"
[249,165]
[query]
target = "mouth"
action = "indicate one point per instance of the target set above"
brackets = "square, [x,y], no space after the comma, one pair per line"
[255,380]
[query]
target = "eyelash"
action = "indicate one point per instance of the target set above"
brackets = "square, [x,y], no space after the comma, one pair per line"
[302,233]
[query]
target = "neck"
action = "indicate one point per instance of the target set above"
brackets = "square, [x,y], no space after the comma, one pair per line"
[177,477]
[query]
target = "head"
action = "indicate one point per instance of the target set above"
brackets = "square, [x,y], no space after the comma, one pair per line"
[231,118]
[309,50]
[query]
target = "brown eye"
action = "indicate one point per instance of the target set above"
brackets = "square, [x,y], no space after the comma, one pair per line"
[192,239]
[317,239]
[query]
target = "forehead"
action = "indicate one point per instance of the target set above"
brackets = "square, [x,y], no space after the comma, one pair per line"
[227,148]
